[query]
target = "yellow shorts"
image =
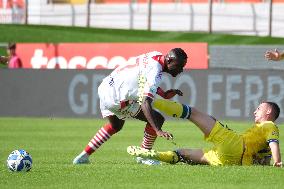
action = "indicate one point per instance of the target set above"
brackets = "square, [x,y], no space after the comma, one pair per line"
[228,146]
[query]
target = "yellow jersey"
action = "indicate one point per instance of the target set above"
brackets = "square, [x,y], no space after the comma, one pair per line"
[257,139]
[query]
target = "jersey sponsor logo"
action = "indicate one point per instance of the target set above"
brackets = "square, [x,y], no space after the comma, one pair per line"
[159,76]
[141,86]
[111,81]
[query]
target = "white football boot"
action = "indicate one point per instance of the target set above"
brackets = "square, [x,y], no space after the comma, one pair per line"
[147,161]
[144,156]
[82,158]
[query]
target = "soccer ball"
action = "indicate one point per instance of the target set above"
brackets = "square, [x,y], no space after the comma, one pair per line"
[19,160]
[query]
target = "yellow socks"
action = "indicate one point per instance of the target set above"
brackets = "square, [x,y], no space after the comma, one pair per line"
[172,109]
[168,157]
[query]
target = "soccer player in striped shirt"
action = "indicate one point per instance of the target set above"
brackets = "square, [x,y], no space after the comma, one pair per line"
[128,92]
[255,146]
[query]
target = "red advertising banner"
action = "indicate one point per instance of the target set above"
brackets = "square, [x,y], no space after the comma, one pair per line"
[6,4]
[101,55]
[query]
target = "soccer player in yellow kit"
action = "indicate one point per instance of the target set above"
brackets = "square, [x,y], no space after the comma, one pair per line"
[255,146]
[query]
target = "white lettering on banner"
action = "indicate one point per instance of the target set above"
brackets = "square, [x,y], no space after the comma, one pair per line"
[254,92]
[276,82]
[251,97]
[77,61]
[96,61]
[40,61]
[116,61]
[97,79]
[83,108]
[232,95]
[56,62]
[212,95]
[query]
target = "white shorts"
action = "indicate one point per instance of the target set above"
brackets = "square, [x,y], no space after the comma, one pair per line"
[110,105]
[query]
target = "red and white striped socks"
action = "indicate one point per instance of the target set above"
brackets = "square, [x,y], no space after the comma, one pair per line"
[107,131]
[149,137]
[100,137]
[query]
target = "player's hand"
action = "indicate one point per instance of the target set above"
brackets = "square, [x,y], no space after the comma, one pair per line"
[3,59]
[164,134]
[277,164]
[172,92]
[272,55]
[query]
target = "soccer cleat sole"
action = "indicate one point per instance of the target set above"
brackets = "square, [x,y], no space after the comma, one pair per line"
[141,152]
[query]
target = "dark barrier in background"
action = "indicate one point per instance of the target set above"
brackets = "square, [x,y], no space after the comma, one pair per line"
[226,94]
[48,93]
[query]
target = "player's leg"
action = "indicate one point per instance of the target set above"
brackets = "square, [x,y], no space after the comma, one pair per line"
[203,121]
[149,135]
[103,134]
[191,156]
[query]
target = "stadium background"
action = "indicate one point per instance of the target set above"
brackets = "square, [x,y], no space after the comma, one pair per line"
[247,17]
[46,113]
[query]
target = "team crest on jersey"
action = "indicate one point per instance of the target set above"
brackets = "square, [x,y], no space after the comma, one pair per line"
[275,133]
[153,89]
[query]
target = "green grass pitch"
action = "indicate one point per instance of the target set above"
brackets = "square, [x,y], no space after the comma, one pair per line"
[53,143]
[61,34]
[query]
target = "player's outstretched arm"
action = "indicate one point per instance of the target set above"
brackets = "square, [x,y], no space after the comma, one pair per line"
[274,55]
[169,93]
[147,109]
[275,150]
